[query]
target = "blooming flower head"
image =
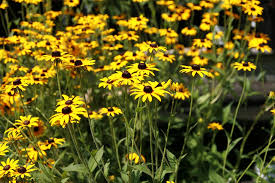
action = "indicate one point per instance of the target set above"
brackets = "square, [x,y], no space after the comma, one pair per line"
[24,171]
[150,47]
[126,77]
[215,126]
[194,69]
[71,101]
[110,111]
[53,142]
[181,92]
[26,122]
[3,148]
[143,69]
[148,90]
[136,158]
[67,114]
[245,66]
[8,167]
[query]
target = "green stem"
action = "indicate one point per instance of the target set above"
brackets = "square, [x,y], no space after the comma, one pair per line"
[234,122]
[187,129]
[151,138]
[114,141]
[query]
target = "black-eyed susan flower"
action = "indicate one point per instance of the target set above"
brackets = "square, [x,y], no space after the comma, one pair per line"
[150,47]
[8,167]
[16,83]
[71,3]
[181,92]
[166,57]
[215,126]
[148,90]
[53,142]
[24,171]
[170,181]
[67,114]
[251,8]
[143,69]
[194,69]
[110,111]
[198,60]
[95,115]
[26,122]
[199,43]
[126,78]
[189,31]
[3,148]
[245,66]
[33,152]
[108,82]
[136,158]
[71,101]
[39,129]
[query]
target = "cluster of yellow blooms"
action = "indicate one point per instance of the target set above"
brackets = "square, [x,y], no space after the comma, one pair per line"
[119,59]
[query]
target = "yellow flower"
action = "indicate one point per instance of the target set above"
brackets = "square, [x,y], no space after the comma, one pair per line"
[166,57]
[170,182]
[148,91]
[110,111]
[71,3]
[189,31]
[215,126]
[150,47]
[25,170]
[71,101]
[53,142]
[126,78]
[273,111]
[68,114]
[199,43]
[8,167]
[194,69]
[3,148]
[245,66]
[26,121]
[135,157]
[143,69]
[181,92]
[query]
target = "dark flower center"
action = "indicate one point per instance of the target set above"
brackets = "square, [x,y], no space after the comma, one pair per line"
[154,45]
[78,62]
[50,140]
[196,67]
[26,122]
[48,43]
[36,79]
[110,109]
[148,89]
[253,9]
[110,81]
[10,94]
[29,99]
[126,74]
[166,55]
[42,75]
[17,82]
[245,64]
[68,102]
[36,128]
[7,167]
[21,169]
[66,110]
[56,54]
[134,54]
[142,65]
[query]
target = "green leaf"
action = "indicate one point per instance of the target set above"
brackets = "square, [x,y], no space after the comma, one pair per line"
[94,159]
[232,145]
[171,159]
[203,99]
[226,113]
[143,169]
[75,168]
[65,180]
[216,178]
